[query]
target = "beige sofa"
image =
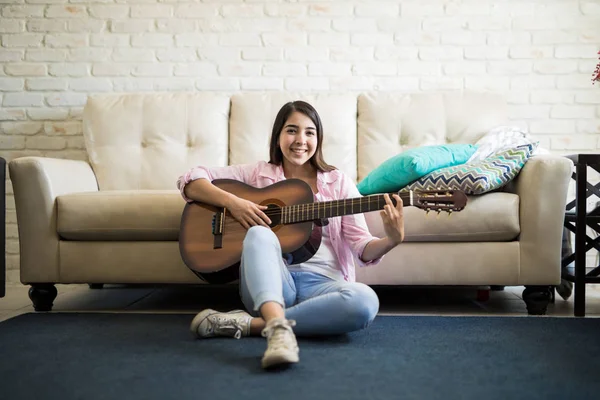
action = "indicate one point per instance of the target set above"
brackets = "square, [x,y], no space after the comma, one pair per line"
[115,219]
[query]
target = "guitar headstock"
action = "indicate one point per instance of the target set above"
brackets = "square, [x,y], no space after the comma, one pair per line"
[439,200]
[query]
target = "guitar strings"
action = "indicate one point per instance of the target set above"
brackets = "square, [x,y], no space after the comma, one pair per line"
[297,210]
[312,207]
[328,205]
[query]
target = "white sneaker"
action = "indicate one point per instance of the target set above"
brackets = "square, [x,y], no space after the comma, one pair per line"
[210,323]
[282,347]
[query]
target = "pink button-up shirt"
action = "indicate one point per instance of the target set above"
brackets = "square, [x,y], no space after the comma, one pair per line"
[349,233]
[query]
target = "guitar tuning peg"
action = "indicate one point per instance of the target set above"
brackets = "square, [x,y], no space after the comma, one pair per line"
[438,214]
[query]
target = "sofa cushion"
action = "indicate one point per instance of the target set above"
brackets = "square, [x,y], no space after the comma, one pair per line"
[156,215]
[389,123]
[478,177]
[408,166]
[253,114]
[489,218]
[146,141]
[120,215]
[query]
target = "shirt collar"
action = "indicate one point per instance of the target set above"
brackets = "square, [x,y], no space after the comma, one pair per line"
[275,173]
[328,177]
[272,171]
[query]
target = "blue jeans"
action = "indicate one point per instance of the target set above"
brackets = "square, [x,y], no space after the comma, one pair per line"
[318,304]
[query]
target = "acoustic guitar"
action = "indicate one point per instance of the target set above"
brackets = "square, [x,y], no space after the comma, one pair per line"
[211,240]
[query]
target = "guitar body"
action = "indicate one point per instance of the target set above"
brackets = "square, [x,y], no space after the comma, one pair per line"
[211,240]
[215,264]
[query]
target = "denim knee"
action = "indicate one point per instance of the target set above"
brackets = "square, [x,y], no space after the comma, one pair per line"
[363,304]
[260,235]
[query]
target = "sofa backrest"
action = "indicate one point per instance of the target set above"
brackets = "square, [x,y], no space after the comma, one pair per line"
[146,141]
[253,114]
[389,123]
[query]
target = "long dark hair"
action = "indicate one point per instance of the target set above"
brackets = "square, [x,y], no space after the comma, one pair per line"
[275,154]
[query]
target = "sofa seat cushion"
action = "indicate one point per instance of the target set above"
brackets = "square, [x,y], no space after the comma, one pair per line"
[492,217]
[129,215]
[156,215]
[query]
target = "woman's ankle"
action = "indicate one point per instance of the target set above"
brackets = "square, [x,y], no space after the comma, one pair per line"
[271,310]
[256,326]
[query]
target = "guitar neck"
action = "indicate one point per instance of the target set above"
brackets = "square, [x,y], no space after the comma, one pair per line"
[336,208]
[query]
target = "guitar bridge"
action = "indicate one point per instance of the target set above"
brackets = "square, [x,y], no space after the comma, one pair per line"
[218,225]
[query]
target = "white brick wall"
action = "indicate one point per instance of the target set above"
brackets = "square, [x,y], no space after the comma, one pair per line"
[53,53]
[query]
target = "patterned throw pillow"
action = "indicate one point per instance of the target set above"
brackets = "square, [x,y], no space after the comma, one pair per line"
[406,167]
[479,177]
[499,139]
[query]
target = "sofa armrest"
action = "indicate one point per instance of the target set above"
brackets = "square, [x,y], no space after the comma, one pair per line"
[37,181]
[542,187]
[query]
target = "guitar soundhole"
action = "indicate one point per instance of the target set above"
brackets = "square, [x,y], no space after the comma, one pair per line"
[274,213]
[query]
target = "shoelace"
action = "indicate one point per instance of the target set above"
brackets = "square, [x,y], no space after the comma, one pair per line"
[225,326]
[277,334]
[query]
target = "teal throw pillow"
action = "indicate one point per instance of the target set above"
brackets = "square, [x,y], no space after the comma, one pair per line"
[408,166]
[478,177]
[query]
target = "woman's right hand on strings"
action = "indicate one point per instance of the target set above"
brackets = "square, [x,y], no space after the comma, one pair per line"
[248,213]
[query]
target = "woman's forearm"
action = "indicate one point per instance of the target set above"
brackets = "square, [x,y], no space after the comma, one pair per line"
[377,248]
[204,191]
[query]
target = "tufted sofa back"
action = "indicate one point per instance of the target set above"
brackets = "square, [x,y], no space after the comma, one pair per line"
[389,123]
[145,141]
[253,114]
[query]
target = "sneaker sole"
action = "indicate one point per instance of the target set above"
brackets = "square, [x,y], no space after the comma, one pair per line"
[281,359]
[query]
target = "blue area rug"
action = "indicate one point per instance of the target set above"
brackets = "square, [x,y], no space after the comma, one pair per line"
[153,356]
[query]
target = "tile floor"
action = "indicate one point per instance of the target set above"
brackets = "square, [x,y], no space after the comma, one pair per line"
[191,299]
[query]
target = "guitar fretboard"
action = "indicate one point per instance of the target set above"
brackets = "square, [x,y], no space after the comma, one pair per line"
[329,209]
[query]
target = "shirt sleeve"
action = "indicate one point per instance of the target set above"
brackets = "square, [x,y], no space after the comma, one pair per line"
[242,173]
[354,227]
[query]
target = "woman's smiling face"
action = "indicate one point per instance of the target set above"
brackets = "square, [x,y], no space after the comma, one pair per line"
[298,139]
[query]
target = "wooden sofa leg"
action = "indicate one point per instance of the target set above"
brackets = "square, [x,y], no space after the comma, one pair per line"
[537,299]
[42,295]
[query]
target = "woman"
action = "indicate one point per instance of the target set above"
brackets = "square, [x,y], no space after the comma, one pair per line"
[319,296]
